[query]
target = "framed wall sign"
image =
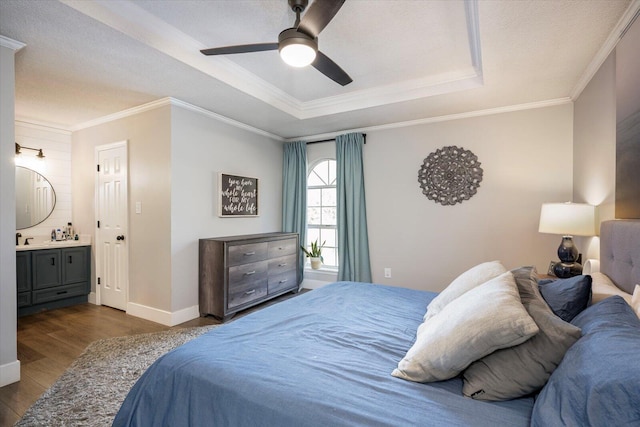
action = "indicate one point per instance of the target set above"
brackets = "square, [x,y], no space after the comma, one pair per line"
[237,196]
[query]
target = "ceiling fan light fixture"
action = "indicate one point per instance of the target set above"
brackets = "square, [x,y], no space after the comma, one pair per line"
[297,49]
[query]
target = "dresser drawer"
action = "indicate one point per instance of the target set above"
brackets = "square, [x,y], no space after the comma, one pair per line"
[244,293]
[279,248]
[286,280]
[59,292]
[247,273]
[282,264]
[244,254]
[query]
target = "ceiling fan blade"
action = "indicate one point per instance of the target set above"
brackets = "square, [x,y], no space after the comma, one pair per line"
[244,48]
[319,14]
[330,69]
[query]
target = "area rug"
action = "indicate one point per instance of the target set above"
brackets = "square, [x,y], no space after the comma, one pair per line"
[91,391]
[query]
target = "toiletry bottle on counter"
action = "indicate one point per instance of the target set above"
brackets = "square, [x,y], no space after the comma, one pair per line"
[70,232]
[53,235]
[58,234]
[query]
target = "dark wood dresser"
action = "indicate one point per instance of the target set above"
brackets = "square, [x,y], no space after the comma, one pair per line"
[238,272]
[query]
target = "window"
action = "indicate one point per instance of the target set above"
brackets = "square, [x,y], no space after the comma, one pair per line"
[322,211]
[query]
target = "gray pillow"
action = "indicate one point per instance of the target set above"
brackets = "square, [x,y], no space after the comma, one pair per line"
[517,371]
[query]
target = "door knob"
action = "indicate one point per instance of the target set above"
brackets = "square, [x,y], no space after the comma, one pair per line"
[120,237]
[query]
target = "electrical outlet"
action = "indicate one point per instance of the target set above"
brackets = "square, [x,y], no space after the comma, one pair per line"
[387,273]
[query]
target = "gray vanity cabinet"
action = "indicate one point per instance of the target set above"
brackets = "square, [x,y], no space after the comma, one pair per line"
[52,278]
[23,278]
[46,268]
[75,265]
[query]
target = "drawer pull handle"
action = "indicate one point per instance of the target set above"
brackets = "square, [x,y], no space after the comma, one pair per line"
[53,261]
[70,259]
[61,292]
[251,292]
[249,273]
[249,253]
[283,281]
[284,264]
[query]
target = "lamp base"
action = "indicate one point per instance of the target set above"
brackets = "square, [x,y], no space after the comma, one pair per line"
[565,270]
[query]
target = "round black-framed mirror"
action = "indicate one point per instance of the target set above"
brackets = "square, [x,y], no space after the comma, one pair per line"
[35,198]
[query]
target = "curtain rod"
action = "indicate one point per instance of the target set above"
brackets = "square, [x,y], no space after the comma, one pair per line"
[333,139]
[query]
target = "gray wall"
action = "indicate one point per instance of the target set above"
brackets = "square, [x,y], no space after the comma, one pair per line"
[201,148]
[594,125]
[527,159]
[149,143]
[9,365]
[174,157]
[594,176]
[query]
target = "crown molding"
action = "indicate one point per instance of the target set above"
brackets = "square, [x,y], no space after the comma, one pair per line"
[135,22]
[223,119]
[389,94]
[122,114]
[446,118]
[11,43]
[39,125]
[630,15]
[163,102]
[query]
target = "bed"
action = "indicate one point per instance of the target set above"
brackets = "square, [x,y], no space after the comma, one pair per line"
[325,358]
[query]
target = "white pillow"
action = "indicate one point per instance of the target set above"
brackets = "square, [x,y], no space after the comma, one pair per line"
[463,283]
[602,287]
[635,300]
[485,319]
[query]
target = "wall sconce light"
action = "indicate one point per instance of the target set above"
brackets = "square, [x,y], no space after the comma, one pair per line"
[19,147]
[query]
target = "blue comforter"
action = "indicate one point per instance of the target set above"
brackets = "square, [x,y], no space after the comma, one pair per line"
[323,358]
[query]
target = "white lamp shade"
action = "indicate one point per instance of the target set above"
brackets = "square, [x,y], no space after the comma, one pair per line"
[568,219]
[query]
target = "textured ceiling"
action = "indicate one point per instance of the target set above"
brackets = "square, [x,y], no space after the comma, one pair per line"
[410,60]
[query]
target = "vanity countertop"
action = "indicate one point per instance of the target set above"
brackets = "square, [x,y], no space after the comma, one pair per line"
[48,244]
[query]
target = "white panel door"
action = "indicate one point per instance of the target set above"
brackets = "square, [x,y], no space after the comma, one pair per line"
[112,222]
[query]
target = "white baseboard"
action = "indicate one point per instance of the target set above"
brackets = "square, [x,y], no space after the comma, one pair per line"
[9,373]
[185,315]
[162,316]
[313,284]
[92,298]
[314,279]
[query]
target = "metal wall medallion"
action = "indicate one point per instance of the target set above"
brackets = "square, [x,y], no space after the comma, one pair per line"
[450,175]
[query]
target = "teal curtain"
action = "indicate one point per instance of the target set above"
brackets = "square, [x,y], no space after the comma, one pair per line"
[353,240]
[294,193]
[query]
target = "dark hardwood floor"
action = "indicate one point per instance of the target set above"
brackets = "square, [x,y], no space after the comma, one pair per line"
[50,341]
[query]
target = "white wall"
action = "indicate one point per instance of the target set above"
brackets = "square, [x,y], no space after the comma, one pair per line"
[56,146]
[527,159]
[201,148]
[9,364]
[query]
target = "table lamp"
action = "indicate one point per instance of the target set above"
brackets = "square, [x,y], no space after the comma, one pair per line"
[567,219]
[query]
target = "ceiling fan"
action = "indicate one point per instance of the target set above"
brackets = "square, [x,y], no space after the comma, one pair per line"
[298,45]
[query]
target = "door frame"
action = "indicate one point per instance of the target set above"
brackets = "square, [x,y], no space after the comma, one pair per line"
[97,150]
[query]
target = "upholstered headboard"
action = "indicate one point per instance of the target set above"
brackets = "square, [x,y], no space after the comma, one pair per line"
[620,252]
